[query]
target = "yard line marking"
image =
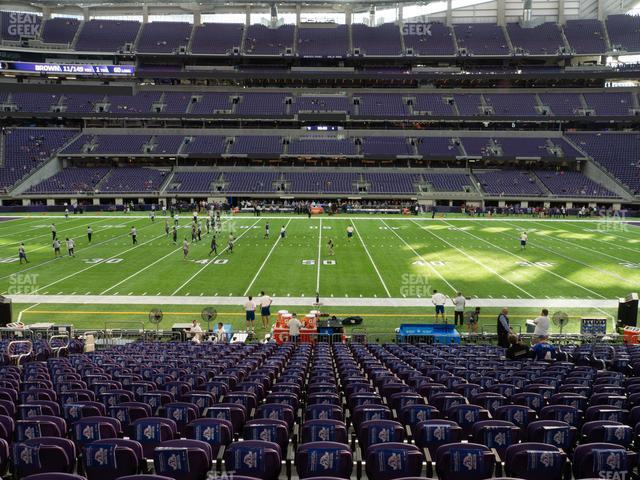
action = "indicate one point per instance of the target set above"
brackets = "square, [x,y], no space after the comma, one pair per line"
[48,234]
[522,259]
[584,264]
[595,239]
[147,267]
[55,259]
[26,240]
[207,264]
[364,245]
[473,259]
[420,256]
[19,319]
[275,244]
[11,222]
[318,262]
[98,263]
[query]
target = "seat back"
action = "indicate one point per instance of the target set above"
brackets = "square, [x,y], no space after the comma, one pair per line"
[112,458]
[328,459]
[391,460]
[464,461]
[183,459]
[324,431]
[254,458]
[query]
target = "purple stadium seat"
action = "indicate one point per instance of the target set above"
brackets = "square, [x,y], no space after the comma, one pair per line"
[324,458]
[254,458]
[112,458]
[532,461]
[183,459]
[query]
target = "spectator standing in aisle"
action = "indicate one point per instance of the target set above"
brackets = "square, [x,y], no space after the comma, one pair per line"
[438,299]
[459,303]
[250,313]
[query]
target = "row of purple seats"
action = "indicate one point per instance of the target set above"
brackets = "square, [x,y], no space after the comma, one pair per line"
[328,40]
[74,179]
[357,105]
[258,390]
[573,184]
[313,146]
[617,153]
[27,149]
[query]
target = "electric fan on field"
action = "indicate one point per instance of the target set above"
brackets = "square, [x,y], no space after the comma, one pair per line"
[209,314]
[155,317]
[560,319]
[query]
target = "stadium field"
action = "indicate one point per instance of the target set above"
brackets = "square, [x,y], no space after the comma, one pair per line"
[389,261]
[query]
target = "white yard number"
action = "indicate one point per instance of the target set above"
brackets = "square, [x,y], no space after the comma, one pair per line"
[219,261]
[93,261]
[433,263]
[389,228]
[630,265]
[534,264]
[8,260]
[313,262]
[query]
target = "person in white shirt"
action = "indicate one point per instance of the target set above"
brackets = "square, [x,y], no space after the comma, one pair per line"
[221,335]
[250,313]
[523,240]
[196,332]
[265,309]
[439,300]
[71,245]
[294,328]
[542,326]
[459,303]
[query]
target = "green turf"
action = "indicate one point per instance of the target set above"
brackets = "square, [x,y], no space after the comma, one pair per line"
[388,257]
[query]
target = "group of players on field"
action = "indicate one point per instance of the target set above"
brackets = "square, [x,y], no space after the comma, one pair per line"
[212,222]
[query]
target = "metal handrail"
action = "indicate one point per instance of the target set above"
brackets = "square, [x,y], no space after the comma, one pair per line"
[18,357]
[58,350]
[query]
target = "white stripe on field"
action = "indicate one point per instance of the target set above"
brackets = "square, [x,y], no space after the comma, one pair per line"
[59,237]
[146,268]
[371,259]
[104,260]
[275,244]
[522,259]
[318,261]
[207,264]
[590,239]
[55,259]
[421,257]
[584,264]
[48,234]
[472,258]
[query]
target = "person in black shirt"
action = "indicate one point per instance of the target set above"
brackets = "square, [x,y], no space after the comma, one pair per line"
[517,350]
[504,329]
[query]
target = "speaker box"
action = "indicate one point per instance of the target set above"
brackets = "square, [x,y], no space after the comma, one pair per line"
[628,310]
[5,311]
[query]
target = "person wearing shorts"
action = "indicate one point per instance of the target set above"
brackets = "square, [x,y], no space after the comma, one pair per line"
[439,300]
[250,313]
[265,309]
